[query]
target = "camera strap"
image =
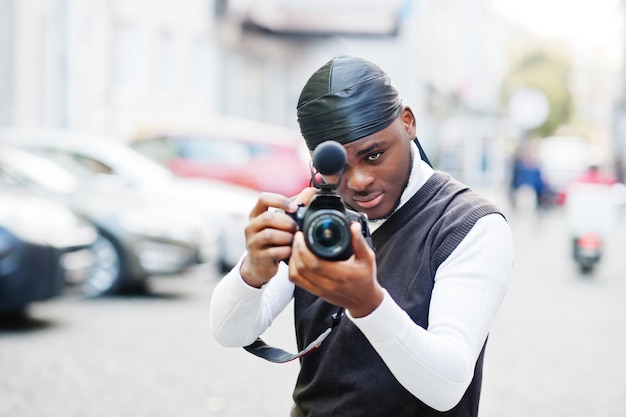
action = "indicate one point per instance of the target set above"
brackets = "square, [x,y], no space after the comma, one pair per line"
[263,350]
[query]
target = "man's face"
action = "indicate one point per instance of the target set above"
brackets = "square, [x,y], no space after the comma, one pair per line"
[377,168]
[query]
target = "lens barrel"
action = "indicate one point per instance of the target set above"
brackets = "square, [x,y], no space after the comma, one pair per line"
[327,234]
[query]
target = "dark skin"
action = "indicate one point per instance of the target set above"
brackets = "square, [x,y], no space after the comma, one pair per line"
[375,175]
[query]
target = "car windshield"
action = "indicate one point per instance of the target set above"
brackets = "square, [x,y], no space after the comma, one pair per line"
[39,171]
[229,152]
[108,159]
[130,163]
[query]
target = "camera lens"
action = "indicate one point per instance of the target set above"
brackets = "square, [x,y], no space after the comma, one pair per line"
[328,234]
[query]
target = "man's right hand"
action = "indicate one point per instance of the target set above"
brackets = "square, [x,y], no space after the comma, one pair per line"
[269,235]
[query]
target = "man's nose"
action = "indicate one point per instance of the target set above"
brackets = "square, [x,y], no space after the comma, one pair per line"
[358,179]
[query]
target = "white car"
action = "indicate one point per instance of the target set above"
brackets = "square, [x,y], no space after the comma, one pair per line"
[138,236]
[224,203]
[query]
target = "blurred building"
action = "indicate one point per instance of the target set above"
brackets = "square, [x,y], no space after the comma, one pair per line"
[597,84]
[116,65]
[101,64]
[619,121]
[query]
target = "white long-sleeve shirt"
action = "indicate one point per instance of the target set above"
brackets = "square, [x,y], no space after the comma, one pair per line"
[436,364]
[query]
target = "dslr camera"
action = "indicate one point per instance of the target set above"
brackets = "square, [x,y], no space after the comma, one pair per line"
[325,222]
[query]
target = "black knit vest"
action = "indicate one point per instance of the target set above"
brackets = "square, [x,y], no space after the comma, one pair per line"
[345,377]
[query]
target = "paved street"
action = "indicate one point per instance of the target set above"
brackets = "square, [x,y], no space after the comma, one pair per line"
[134,356]
[556,349]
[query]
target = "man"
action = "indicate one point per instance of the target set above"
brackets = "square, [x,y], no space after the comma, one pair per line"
[419,306]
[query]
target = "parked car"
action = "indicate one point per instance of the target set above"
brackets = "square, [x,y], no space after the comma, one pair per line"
[43,245]
[255,155]
[137,235]
[226,204]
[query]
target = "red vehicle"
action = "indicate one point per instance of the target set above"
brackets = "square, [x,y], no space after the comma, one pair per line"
[258,156]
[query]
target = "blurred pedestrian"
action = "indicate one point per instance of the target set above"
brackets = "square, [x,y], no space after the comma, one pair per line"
[526,172]
[419,307]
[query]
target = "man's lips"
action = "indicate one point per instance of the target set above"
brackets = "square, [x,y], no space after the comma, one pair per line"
[369,201]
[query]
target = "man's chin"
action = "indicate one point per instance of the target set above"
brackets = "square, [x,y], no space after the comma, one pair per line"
[380,217]
[383,213]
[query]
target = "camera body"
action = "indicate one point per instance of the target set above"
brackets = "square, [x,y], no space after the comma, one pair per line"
[326,221]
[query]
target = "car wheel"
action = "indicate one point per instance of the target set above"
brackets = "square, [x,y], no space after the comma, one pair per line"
[106,272]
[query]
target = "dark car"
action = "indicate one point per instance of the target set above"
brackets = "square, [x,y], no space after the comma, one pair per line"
[43,246]
[259,156]
[137,236]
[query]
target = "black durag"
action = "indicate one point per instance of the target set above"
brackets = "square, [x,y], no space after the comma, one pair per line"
[346,99]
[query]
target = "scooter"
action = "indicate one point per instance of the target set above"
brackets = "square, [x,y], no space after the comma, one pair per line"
[587,251]
[591,211]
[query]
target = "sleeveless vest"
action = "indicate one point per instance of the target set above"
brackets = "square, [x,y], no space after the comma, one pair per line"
[346,377]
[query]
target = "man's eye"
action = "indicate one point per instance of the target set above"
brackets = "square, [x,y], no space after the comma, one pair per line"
[374,156]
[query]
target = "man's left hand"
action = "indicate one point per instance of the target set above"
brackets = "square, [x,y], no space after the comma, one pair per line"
[351,283]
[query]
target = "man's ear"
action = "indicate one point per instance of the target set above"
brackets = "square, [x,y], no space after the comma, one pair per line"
[408,119]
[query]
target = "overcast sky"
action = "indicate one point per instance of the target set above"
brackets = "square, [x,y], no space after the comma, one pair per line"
[576,19]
